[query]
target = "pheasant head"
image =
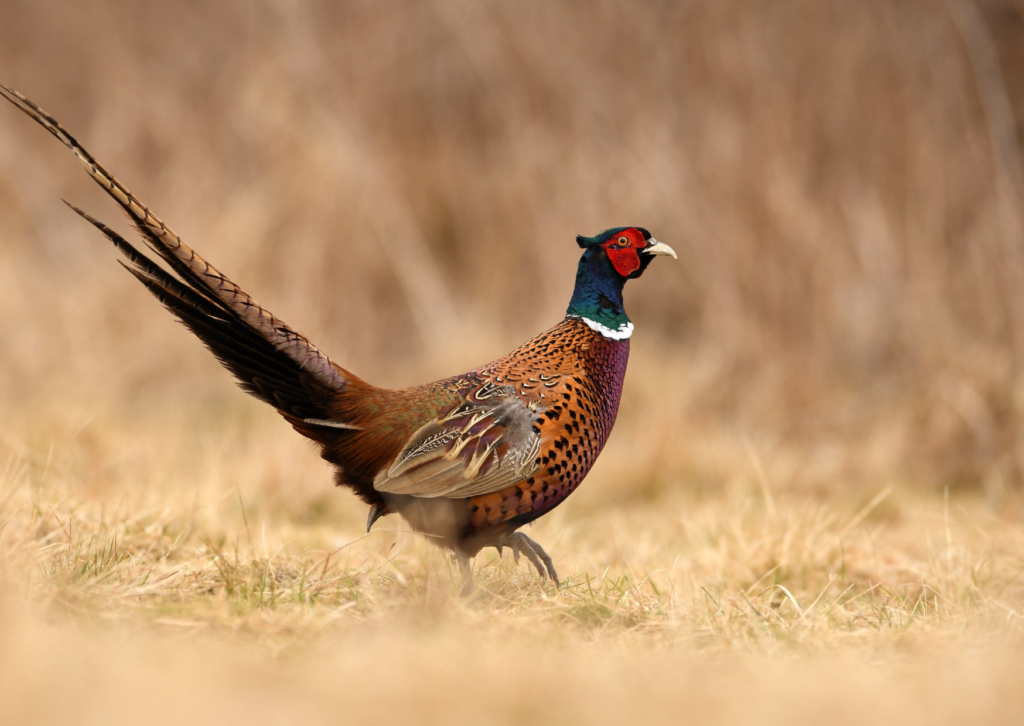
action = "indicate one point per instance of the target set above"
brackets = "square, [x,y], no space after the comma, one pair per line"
[609,259]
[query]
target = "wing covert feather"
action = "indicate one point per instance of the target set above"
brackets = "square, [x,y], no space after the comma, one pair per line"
[472,448]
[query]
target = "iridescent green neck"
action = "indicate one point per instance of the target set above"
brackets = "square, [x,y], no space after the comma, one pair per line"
[597,297]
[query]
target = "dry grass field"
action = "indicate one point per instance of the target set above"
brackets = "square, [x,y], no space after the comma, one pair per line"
[812,507]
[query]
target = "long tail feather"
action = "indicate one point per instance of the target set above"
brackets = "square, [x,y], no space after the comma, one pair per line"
[270,360]
[196,271]
[255,362]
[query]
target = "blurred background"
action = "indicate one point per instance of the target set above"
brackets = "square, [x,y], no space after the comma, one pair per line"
[403,182]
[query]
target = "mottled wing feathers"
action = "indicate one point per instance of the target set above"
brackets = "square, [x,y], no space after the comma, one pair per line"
[493,437]
[474,447]
[203,279]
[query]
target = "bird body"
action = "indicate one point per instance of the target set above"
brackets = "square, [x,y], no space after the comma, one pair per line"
[490,450]
[466,460]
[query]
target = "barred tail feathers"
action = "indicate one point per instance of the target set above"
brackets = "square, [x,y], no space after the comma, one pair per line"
[271,361]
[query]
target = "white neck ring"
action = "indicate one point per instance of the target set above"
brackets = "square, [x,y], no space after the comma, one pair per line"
[621,333]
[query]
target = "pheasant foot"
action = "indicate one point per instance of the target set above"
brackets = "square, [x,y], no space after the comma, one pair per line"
[519,543]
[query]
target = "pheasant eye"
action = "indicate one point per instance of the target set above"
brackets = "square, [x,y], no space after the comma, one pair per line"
[622,241]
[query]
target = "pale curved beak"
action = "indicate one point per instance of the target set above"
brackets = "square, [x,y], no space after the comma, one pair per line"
[659,248]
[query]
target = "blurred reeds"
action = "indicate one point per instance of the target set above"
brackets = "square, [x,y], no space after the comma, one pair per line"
[403,181]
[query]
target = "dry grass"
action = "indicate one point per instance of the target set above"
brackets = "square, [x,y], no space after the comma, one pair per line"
[228,540]
[242,584]
[811,508]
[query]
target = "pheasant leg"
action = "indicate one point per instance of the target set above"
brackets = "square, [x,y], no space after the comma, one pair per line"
[519,543]
[467,573]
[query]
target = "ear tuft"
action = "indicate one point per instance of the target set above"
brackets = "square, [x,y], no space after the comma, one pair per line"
[585,242]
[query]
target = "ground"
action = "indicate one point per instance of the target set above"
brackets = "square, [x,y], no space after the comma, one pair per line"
[212,560]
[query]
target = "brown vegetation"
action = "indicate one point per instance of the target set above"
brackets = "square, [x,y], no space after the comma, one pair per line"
[821,443]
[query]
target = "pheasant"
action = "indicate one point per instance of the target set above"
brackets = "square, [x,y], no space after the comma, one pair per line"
[467,460]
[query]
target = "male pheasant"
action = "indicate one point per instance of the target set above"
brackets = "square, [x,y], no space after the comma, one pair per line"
[467,460]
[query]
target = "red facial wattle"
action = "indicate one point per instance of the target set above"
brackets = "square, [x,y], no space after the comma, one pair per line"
[624,251]
[625,261]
